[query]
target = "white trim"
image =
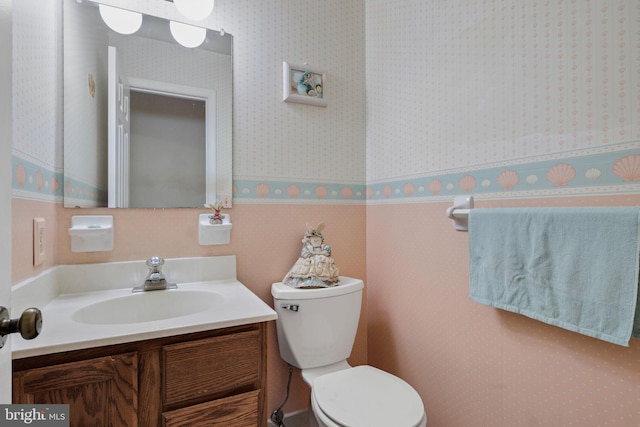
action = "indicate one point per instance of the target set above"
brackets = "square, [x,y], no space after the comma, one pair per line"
[196,93]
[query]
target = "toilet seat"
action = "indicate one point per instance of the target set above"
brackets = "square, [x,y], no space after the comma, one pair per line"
[366,396]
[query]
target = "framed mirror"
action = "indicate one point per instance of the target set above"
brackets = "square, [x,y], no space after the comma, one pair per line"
[147,122]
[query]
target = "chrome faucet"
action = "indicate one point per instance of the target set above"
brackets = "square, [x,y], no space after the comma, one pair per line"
[155,279]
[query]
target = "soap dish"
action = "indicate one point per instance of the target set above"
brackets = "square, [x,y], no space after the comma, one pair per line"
[214,234]
[91,233]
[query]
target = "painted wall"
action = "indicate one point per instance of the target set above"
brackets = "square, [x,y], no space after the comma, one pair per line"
[530,103]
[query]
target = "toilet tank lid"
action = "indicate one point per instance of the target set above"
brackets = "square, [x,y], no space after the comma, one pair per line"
[346,285]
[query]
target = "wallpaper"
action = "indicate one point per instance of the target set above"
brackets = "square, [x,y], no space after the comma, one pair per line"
[495,98]
[502,98]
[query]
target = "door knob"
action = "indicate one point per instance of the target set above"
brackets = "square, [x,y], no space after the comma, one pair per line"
[29,324]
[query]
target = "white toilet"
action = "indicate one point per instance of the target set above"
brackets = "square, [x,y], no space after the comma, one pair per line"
[316,331]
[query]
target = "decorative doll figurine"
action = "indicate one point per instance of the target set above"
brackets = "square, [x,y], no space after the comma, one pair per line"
[216,218]
[315,268]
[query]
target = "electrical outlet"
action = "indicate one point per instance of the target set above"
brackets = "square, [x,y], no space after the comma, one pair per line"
[38,241]
[226,201]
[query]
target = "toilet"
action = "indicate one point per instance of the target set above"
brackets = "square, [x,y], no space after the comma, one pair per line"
[316,329]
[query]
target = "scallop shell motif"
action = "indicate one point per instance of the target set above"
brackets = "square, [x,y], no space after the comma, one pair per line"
[593,173]
[346,192]
[467,183]
[293,191]
[435,186]
[387,191]
[21,174]
[508,179]
[561,174]
[321,191]
[262,190]
[369,192]
[628,167]
[39,180]
[409,188]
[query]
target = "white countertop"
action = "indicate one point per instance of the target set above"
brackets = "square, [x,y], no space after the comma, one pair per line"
[61,332]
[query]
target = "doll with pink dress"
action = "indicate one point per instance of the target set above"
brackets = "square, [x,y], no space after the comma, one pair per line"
[315,268]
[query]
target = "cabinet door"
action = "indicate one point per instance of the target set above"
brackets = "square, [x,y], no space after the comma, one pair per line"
[235,411]
[100,392]
[211,367]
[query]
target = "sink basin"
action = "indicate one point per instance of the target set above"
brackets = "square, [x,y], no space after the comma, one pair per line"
[148,306]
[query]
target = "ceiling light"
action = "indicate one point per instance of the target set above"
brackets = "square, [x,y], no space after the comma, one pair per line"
[187,35]
[120,20]
[194,9]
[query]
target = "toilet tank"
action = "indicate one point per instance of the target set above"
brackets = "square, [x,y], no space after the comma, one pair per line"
[317,327]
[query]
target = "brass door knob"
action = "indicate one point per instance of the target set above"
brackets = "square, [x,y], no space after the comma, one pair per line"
[29,324]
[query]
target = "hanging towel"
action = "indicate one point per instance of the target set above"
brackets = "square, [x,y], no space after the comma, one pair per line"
[576,268]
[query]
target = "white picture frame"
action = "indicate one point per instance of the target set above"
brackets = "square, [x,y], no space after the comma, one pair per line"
[303,84]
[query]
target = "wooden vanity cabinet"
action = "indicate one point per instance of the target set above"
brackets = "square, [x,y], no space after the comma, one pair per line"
[214,378]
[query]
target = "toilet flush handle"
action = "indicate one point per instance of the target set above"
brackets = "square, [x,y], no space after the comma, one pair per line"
[292,307]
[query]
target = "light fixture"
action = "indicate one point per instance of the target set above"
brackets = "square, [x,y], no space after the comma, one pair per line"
[194,9]
[187,35]
[120,20]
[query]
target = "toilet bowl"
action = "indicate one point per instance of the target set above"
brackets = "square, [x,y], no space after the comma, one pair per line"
[316,330]
[364,396]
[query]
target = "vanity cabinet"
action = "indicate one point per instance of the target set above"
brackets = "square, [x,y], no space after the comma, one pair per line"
[214,378]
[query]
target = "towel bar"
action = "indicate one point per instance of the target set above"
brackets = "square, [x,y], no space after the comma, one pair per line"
[459,212]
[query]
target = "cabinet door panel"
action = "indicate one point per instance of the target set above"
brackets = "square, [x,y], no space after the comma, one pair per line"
[236,411]
[212,366]
[99,392]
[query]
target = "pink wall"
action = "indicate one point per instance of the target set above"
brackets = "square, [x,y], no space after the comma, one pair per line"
[473,364]
[265,240]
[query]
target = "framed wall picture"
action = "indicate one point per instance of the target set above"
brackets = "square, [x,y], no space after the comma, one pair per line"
[304,84]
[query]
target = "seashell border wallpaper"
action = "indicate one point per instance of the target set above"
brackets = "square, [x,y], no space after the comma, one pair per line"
[601,171]
[607,172]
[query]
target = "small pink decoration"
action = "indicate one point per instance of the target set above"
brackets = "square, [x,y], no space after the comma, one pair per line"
[346,192]
[54,184]
[467,183]
[508,179]
[293,191]
[262,190]
[39,180]
[409,188]
[628,167]
[21,174]
[435,186]
[369,192]
[321,191]
[561,174]
[216,218]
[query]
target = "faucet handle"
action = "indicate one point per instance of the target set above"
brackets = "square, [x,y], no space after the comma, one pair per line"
[155,262]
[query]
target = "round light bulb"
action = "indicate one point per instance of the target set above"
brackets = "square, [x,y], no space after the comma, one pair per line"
[187,35]
[194,9]
[120,20]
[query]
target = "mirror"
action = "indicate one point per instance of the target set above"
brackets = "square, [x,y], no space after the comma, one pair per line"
[108,164]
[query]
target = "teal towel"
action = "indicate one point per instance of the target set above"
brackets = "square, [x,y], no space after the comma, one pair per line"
[576,268]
